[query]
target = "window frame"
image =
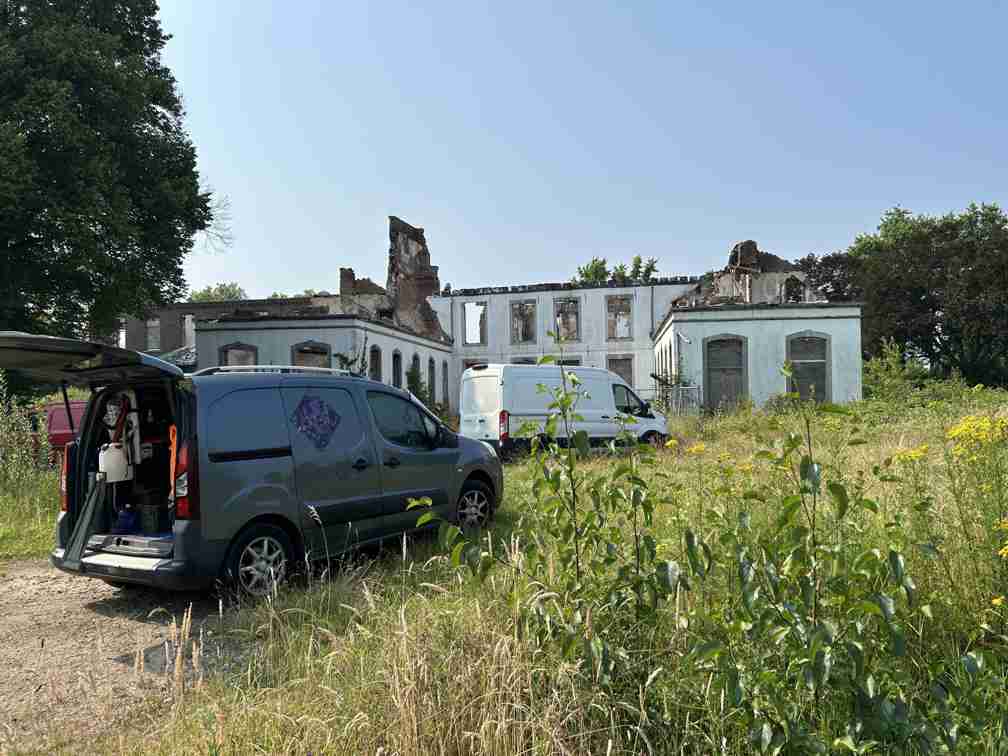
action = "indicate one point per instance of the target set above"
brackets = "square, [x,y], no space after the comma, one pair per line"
[432,379]
[444,384]
[640,402]
[397,371]
[149,324]
[535,320]
[629,298]
[746,390]
[311,343]
[236,345]
[556,314]
[484,334]
[375,349]
[827,362]
[621,356]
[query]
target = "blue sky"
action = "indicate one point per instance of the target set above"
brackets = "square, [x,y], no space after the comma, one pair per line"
[526,139]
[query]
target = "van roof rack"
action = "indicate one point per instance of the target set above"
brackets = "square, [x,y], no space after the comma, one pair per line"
[272,369]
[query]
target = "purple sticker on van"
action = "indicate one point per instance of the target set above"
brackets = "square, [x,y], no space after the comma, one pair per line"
[316,419]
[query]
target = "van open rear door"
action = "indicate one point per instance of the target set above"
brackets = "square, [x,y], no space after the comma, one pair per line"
[52,359]
[480,406]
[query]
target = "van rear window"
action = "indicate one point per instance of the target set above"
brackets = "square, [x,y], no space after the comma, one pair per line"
[479,394]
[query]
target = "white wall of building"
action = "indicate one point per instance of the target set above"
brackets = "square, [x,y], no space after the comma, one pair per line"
[274,339]
[766,330]
[649,305]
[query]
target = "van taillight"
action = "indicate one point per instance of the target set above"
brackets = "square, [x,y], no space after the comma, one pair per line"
[64,464]
[504,425]
[186,483]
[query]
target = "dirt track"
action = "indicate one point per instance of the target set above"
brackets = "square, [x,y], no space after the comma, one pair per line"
[68,654]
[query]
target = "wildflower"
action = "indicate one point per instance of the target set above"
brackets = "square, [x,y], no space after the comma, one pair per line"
[1003,553]
[975,433]
[906,456]
[745,467]
[698,448]
[998,601]
[672,443]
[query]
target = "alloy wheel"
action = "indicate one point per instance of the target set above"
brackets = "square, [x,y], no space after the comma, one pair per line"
[263,564]
[473,509]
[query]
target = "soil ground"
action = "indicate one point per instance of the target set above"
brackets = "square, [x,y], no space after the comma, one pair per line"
[69,669]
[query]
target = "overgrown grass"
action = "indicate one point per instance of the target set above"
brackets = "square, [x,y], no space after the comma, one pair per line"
[29,494]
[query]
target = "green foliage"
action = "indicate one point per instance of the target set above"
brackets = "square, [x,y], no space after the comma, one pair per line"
[933,284]
[891,375]
[225,291]
[594,272]
[99,193]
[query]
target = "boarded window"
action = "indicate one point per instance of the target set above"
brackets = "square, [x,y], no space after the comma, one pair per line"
[619,323]
[431,381]
[623,367]
[475,323]
[397,369]
[444,384]
[808,356]
[154,335]
[374,364]
[311,354]
[726,372]
[523,322]
[238,354]
[567,313]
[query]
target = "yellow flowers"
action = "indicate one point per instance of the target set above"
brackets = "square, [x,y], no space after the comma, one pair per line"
[745,467]
[907,456]
[998,601]
[672,443]
[697,449]
[975,433]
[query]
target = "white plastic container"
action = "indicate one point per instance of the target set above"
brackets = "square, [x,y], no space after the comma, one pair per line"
[113,462]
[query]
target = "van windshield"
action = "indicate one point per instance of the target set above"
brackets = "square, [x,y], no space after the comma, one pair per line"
[479,395]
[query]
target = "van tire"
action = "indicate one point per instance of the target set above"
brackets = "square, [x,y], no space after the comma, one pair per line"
[260,556]
[475,506]
[655,439]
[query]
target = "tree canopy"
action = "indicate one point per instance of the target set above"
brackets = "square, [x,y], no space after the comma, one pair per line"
[99,193]
[936,285]
[222,292]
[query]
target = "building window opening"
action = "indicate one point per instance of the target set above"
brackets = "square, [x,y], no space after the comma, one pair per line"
[567,313]
[431,381]
[475,314]
[311,354]
[154,335]
[523,322]
[374,364]
[809,358]
[397,369]
[619,324]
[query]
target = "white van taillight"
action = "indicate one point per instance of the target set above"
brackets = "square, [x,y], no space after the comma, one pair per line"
[504,418]
[64,464]
[186,483]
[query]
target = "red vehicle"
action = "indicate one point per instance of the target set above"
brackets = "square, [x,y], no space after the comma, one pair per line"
[58,427]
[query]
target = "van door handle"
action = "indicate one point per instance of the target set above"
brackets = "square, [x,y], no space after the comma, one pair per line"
[482,420]
[606,417]
[392,462]
[361,464]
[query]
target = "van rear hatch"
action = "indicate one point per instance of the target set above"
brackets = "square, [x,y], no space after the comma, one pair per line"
[53,359]
[480,406]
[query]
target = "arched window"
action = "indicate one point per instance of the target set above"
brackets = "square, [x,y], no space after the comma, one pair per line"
[726,373]
[793,290]
[311,354]
[431,381]
[809,355]
[397,369]
[238,353]
[444,385]
[374,365]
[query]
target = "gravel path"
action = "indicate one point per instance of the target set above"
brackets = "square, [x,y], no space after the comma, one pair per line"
[68,654]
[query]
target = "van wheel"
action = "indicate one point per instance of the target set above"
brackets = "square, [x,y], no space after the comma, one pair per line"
[261,557]
[657,440]
[475,505]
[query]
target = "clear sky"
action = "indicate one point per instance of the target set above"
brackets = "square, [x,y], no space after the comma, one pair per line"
[525,139]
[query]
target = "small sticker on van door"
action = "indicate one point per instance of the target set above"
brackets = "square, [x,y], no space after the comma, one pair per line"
[316,419]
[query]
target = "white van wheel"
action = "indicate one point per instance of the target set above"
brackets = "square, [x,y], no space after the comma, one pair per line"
[657,440]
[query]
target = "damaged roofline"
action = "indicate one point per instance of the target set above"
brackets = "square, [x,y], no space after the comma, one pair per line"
[680,311]
[567,286]
[239,320]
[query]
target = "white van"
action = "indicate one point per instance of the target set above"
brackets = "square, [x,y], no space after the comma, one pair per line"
[498,399]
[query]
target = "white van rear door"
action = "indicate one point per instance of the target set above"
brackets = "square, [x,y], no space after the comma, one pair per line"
[479,407]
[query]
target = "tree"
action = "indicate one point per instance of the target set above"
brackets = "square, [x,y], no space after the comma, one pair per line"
[620,274]
[647,273]
[595,272]
[636,266]
[99,193]
[936,286]
[222,292]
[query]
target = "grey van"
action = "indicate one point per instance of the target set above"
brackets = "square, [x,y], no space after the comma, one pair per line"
[241,473]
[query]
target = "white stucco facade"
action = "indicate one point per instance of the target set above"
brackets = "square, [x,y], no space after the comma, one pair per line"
[762,334]
[274,339]
[595,346]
